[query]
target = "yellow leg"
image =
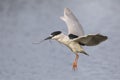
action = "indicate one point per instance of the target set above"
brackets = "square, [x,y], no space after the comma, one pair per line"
[75,62]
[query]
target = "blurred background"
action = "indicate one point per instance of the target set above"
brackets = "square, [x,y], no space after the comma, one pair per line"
[23,22]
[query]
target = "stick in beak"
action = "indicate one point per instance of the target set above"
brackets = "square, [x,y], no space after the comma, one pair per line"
[43,40]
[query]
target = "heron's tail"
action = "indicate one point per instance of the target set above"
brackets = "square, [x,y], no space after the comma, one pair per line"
[85,53]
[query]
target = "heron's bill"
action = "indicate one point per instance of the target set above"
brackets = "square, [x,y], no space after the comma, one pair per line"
[48,38]
[43,40]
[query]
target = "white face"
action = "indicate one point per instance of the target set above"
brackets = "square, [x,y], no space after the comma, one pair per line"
[59,36]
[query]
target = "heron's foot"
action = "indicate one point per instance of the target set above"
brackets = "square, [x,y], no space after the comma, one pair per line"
[74,65]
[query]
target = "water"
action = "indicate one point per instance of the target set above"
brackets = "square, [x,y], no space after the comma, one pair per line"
[23,22]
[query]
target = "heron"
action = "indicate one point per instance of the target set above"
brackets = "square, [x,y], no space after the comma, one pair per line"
[75,39]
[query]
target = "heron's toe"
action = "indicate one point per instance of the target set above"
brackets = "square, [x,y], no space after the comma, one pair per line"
[74,65]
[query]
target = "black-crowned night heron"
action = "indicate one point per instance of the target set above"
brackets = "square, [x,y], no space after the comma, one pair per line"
[75,38]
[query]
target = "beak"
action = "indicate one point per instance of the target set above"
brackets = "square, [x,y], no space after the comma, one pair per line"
[50,37]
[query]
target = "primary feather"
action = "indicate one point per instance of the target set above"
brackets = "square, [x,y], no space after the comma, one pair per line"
[91,40]
[74,27]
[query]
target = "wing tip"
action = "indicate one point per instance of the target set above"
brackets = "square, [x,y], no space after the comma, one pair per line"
[67,10]
[104,37]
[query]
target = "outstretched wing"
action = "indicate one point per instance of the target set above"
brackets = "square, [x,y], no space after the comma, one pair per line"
[74,27]
[91,40]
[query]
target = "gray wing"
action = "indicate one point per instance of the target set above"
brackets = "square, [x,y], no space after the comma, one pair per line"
[74,27]
[91,40]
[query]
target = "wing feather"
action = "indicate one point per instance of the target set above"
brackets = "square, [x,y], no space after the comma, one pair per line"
[91,40]
[74,27]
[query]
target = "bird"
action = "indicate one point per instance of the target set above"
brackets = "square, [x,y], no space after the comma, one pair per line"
[75,39]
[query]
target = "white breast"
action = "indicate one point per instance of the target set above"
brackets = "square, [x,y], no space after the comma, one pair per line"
[74,46]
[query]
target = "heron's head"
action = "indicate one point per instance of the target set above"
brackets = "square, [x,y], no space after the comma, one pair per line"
[53,35]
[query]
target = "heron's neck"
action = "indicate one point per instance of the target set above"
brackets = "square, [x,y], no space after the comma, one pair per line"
[62,38]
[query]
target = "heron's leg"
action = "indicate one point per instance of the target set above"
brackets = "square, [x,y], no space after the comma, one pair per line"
[75,62]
